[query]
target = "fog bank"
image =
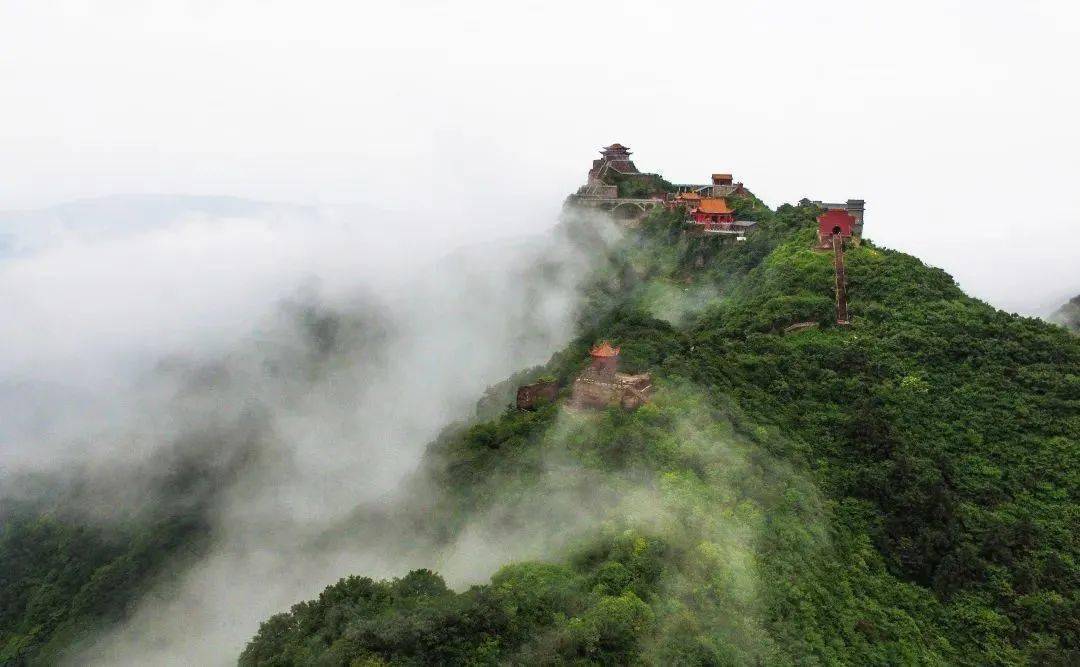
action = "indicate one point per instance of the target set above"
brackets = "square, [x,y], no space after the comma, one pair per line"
[299,359]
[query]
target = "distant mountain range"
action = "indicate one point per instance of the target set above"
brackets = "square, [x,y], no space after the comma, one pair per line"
[107,217]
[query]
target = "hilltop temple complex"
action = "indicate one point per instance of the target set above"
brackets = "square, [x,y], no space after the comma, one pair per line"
[616,185]
[612,168]
[614,182]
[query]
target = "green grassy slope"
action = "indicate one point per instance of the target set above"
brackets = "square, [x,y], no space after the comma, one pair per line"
[901,491]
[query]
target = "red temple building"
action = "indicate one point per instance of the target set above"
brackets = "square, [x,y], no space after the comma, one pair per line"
[836,221]
[856,207]
[713,215]
[712,210]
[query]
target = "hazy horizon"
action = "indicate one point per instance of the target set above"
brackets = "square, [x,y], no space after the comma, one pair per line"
[948,119]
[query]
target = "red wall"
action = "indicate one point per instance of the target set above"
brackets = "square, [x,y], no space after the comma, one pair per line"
[713,217]
[833,218]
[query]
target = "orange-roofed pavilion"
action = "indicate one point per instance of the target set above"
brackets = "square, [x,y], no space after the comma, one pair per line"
[712,210]
[605,349]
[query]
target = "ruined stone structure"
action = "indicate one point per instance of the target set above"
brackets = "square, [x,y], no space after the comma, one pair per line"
[531,395]
[601,385]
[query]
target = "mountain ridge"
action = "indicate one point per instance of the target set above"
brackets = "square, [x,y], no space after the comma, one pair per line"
[913,478]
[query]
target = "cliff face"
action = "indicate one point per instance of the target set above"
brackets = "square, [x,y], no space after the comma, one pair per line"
[902,490]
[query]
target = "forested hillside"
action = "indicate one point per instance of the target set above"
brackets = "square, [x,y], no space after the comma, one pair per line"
[79,548]
[66,574]
[900,491]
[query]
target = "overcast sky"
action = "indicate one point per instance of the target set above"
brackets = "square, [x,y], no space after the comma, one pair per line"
[956,121]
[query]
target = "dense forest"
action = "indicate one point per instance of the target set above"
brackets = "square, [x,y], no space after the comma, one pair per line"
[65,576]
[900,491]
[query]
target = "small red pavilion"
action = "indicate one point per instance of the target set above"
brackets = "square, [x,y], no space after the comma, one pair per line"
[605,360]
